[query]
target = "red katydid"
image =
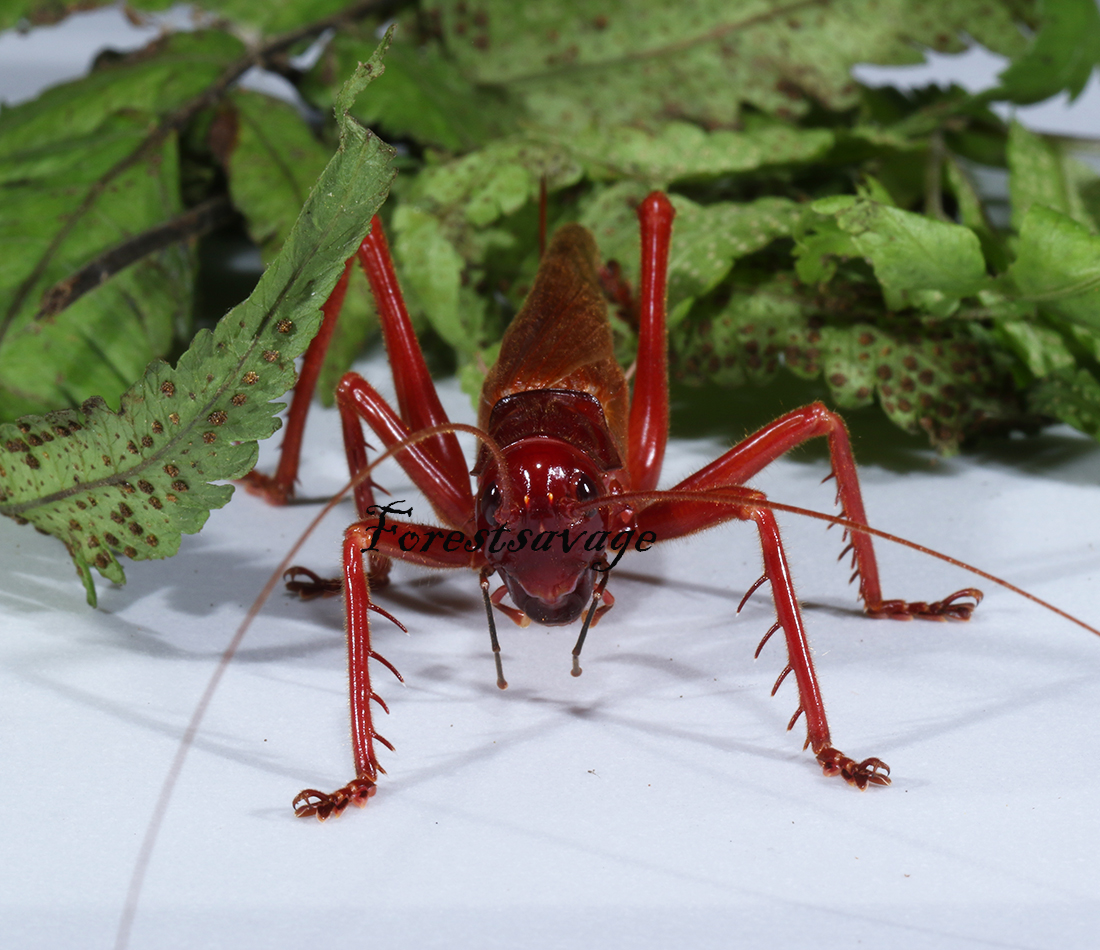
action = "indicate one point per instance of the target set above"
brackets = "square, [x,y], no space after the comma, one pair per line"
[567,453]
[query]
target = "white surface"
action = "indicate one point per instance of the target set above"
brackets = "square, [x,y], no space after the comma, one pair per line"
[654,801]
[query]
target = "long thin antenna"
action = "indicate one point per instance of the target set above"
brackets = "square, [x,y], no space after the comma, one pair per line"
[732,497]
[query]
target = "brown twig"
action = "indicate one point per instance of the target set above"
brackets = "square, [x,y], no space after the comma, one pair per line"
[200,220]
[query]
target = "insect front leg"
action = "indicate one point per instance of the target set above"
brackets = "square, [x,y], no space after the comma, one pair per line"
[421,544]
[676,518]
[357,604]
[425,545]
[744,460]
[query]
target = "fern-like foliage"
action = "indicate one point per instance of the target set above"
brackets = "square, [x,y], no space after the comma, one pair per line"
[131,482]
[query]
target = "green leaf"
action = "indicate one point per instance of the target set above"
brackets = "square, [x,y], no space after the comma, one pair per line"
[706,240]
[943,379]
[358,321]
[431,269]
[442,239]
[130,482]
[23,13]
[918,261]
[972,212]
[83,168]
[1043,173]
[278,17]
[43,134]
[1058,266]
[423,96]
[479,188]
[1062,55]
[745,341]
[1041,348]
[273,162]
[683,152]
[1072,397]
[576,63]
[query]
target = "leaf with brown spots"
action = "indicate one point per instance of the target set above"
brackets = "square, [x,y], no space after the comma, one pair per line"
[577,63]
[255,344]
[943,378]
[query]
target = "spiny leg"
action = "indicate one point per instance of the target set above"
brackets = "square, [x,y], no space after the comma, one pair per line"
[870,771]
[310,801]
[679,516]
[421,544]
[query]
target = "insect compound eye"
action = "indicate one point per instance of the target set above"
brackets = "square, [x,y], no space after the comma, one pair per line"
[490,502]
[584,489]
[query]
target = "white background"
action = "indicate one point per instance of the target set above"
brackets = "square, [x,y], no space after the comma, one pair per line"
[654,801]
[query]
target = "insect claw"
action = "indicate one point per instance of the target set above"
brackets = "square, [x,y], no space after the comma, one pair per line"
[316,586]
[310,802]
[953,607]
[870,771]
[266,487]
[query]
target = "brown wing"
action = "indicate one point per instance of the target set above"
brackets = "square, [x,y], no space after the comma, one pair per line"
[561,338]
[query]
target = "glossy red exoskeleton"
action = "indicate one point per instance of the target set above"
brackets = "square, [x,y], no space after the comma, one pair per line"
[569,453]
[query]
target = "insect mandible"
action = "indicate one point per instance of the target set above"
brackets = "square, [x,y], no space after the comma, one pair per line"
[569,453]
